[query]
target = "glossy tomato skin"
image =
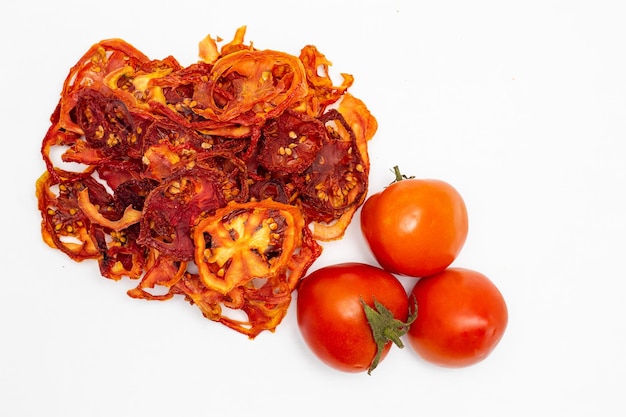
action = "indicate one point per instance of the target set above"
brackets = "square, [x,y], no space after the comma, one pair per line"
[461,318]
[331,318]
[415,227]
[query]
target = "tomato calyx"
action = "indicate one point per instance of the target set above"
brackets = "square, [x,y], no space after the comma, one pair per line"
[399,175]
[385,327]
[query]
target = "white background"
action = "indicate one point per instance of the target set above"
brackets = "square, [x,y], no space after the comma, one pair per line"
[521,105]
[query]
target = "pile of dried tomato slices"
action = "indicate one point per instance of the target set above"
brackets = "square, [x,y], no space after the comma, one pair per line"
[215,181]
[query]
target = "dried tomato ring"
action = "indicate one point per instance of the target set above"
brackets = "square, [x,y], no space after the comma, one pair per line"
[245,241]
[90,71]
[249,87]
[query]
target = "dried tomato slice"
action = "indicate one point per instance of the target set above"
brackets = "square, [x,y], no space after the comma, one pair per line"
[91,70]
[168,147]
[120,255]
[290,143]
[161,271]
[172,208]
[64,226]
[363,126]
[246,241]
[250,257]
[83,220]
[338,178]
[322,91]
[106,122]
[248,87]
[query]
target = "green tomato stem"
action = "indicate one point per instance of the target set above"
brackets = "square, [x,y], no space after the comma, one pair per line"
[386,328]
[400,176]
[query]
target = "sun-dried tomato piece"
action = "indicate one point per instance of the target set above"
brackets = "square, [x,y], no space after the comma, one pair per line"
[290,143]
[168,147]
[248,87]
[120,255]
[338,178]
[83,220]
[136,85]
[161,272]
[90,71]
[172,208]
[106,123]
[362,127]
[246,241]
[322,92]
[250,258]
[64,226]
[94,212]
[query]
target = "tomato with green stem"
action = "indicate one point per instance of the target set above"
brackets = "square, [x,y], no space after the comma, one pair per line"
[415,227]
[349,314]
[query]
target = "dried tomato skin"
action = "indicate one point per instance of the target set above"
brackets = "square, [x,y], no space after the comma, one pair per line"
[160,271]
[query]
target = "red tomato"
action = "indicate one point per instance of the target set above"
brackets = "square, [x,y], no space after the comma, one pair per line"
[415,227]
[333,321]
[461,317]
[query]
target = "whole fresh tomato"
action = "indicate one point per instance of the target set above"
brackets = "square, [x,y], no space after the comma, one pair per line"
[415,227]
[350,313]
[461,317]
